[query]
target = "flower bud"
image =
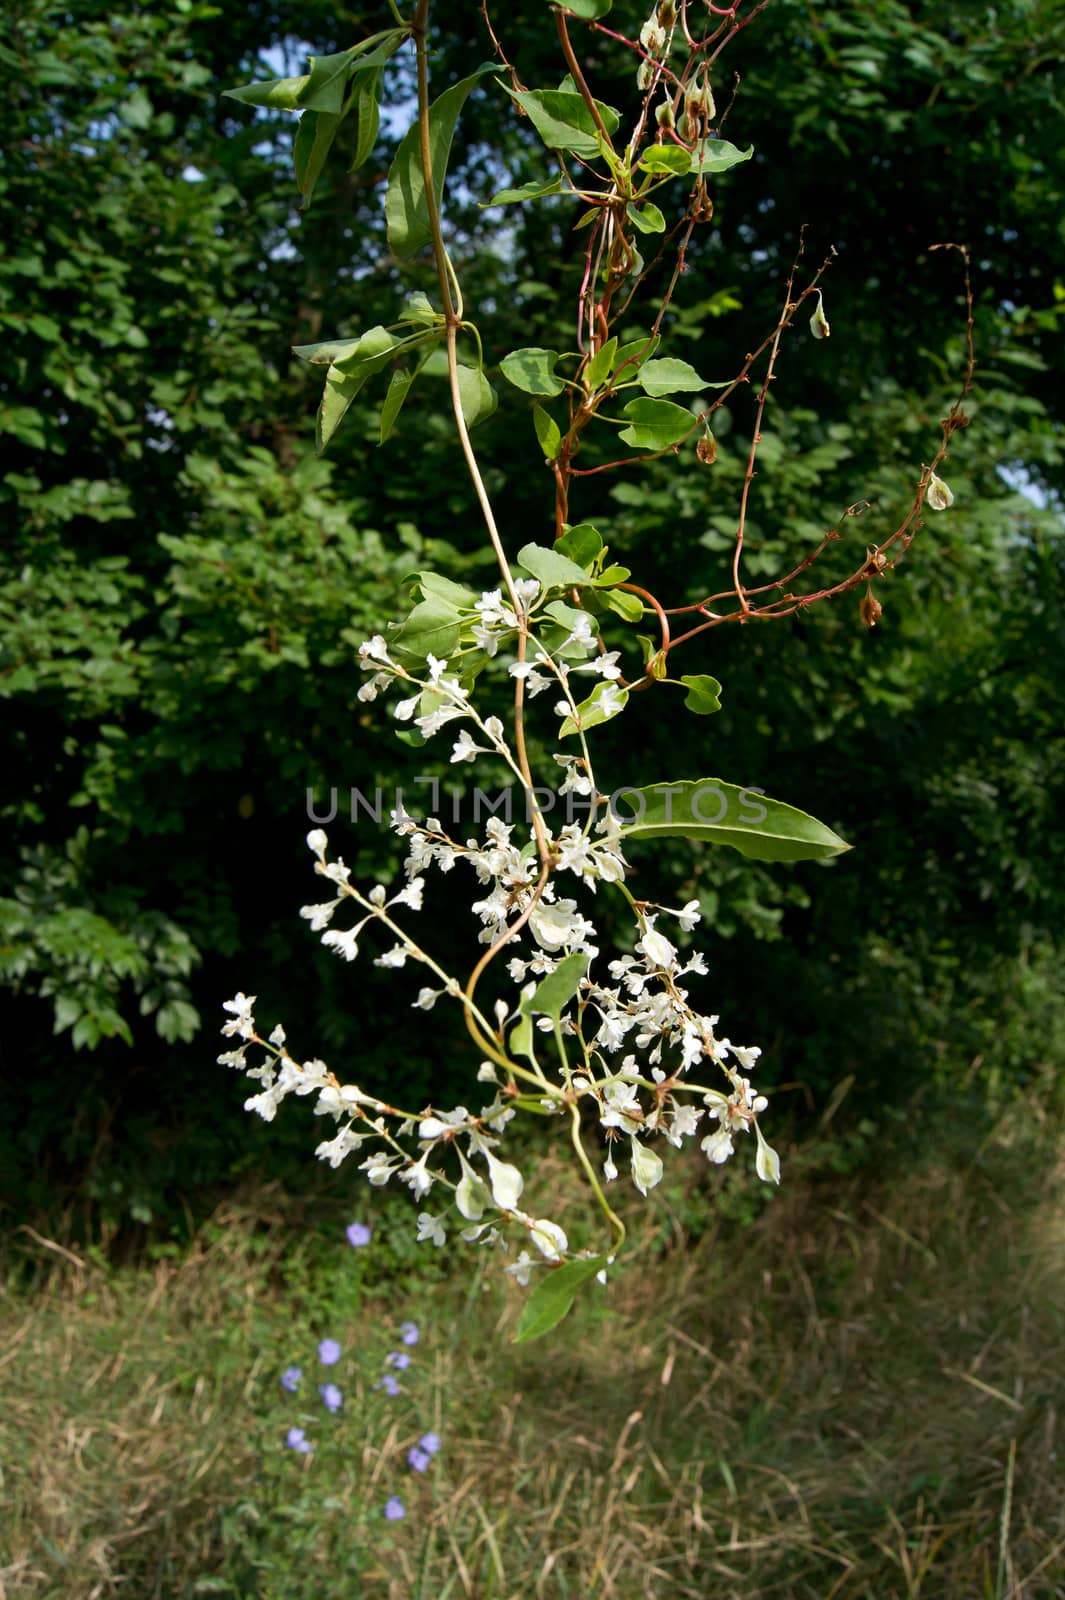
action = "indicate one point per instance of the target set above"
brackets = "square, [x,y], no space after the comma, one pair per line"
[819,322]
[938,497]
[706,449]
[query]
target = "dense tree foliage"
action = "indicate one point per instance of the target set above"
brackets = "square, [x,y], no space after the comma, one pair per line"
[184,581]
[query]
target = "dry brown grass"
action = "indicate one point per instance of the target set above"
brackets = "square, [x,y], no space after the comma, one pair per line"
[856,1397]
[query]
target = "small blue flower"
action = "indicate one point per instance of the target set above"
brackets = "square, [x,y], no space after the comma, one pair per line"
[430,1443]
[395,1510]
[290,1379]
[329,1352]
[358,1234]
[399,1359]
[296,1439]
[418,1460]
[408,1332]
[389,1384]
[331,1396]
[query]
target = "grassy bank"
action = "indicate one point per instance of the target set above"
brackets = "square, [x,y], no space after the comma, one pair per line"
[857,1393]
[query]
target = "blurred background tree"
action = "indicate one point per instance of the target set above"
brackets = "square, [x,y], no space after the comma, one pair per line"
[183,583]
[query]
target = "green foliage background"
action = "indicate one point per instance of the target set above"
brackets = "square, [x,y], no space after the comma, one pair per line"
[183,582]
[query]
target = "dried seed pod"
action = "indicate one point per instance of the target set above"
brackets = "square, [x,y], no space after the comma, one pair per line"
[869,609]
[938,497]
[706,449]
[664,114]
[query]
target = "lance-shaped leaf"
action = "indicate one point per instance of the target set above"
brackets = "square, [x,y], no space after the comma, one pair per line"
[548,433]
[601,365]
[627,606]
[283,94]
[553,1297]
[445,588]
[406,205]
[722,813]
[717,155]
[532,370]
[563,121]
[553,570]
[554,993]
[535,189]
[368,114]
[398,389]
[312,144]
[655,424]
[346,376]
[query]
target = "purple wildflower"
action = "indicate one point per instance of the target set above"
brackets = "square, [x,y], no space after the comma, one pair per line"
[430,1443]
[395,1510]
[408,1332]
[358,1234]
[296,1439]
[290,1379]
[389,1384]
[329,1352]
[418,1460]
[331,1396]
[399,1359]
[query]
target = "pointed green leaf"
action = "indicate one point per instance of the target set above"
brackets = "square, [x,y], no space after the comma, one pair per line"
[434,583]
[398,389]
[419,308]
[717,155]
[547,433]
[406,210]
[553,1298]
[314,139]
[605,702]
[327,352]
[601,365]
[478,397]
[554,993]
[611,575]
[590,10]
[670,376]
[340,390]
[646,218]
[376,348]
[521,1035]
[532,370]
[666,158]
[704,694]
[581,543]
[327,83]
[632,356]
[554,571]
[627,606]
[431,629]
[721,813]
[655,424]
[281,93]
[533,190]
[563,121]
[368,113]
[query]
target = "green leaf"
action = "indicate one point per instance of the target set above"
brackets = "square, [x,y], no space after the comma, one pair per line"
[601,365]
[476,395]
[532,370]
[533,190]
[665,158]
[670,376]
[327,83]
[340,390]
[581,543]
[627,606]
[592,711]
[717,155]
[419,308]
[431,629]
[313,141]
[590,10]
[281,93]
[632,356]
[554,571]
[553,1298]
[611,575]
[646,218]
[547,432]
[406,208]
[563,121]
[555,992]
[375,348]
[655,424]
[326,353]
[521,1035]
[434,583]
[704,694]
[721,813]
[368,112]
[398,389]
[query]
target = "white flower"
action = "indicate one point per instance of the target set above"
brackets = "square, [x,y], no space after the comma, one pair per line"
[549,1239]
[507,1182]
[417,1177]
[405,709]
[396,957]
[319,916]
[717,1146]
[317,841]
[430,1227]
[427,998]
[243,1021]
[656,947]
[519,1270]
[345,944]
[605,665]
[689,916]
[646,1166]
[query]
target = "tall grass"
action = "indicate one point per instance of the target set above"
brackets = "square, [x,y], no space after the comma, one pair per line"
[854,1394]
